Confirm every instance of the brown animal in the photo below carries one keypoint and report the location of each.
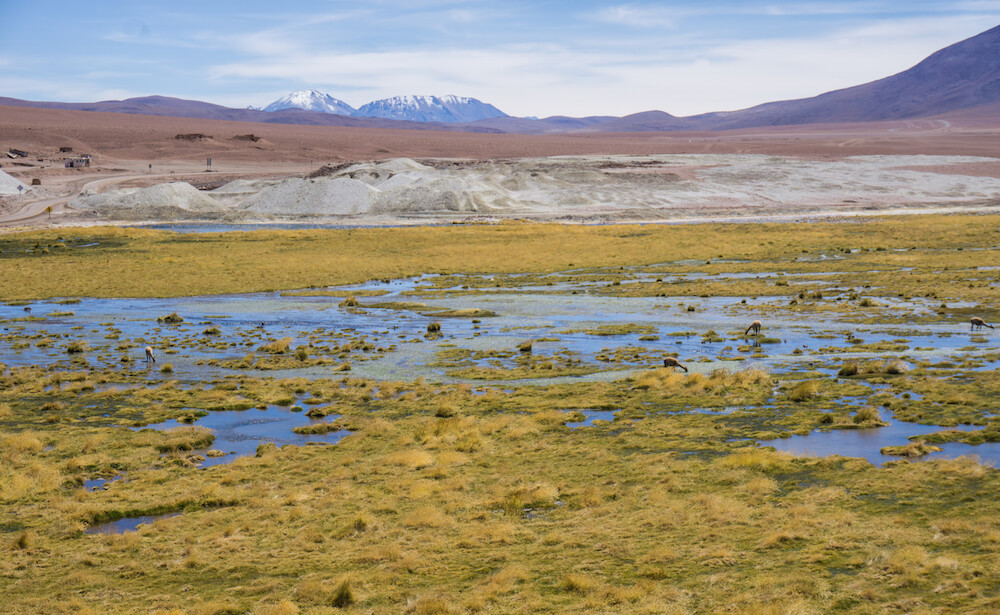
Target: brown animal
(755, 327)
(978, 323)
(149, 355)
(672, 362)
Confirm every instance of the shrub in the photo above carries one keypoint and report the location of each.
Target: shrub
(350, 301)
(302, 353)
(170, 319)
(167, 368)
(434, 327)
(76, 347)
(212, 331)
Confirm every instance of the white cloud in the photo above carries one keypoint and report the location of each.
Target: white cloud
(636, 16)
(557, 79)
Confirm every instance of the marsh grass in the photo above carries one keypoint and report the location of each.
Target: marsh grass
(497, 507)
(803, 391)
(281, 346)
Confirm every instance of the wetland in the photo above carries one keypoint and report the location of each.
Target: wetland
(476, 419)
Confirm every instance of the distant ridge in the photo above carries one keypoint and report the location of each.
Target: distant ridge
(963, 78)
(960, 76)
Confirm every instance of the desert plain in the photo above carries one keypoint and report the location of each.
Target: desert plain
(431, 372)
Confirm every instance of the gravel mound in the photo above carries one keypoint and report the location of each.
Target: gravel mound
(8, 185)
(237, 191)
(173, 201)
(585, 188)
(323, 196)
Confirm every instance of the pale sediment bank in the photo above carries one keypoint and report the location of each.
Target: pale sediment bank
(578, 189)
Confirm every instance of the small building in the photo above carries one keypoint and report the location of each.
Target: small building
(77, 163)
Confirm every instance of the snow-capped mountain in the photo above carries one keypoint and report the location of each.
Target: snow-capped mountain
(311, 100)
(430, 109)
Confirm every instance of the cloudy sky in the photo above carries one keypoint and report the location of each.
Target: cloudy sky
(529, 58)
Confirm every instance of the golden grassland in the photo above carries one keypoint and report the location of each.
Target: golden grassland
(446, 499)
(143, 263)
(443, 501)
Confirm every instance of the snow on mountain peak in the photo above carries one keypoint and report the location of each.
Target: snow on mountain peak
(311, 100)
(414, 108)
(430, 109)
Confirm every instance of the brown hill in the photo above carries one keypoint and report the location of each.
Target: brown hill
(118, 136)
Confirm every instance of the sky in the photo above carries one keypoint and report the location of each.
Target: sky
(529, 58)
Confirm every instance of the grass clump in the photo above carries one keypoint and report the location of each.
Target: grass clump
(867, 415)
(76, 347)
(319, 428)
(281, 346)
(184, 438)
(803, 391)
(848, 369)
(578, 583)
(913, 449)
(170, 319)
(343, 595)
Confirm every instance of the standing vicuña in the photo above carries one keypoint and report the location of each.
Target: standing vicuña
(979, 323)
(672, 362)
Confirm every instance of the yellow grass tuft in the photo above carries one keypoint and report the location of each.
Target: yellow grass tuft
(281, 346)
(285, 607)
(756, 459)
(412, 459)
(804, 391)
(426, 516)
(579, 583)
(430, 605)
(907, 559)
(24, 443)
(761, 485)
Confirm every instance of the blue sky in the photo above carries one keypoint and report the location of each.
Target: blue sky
(528, 57)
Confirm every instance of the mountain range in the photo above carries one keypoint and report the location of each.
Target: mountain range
(962, 78)
(407, 108)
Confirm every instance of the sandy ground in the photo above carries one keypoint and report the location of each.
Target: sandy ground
(807, 170)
